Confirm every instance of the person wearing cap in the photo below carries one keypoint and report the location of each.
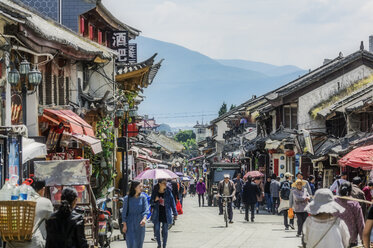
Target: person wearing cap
(322, 228)
(298, 201)
(306, 185)
(226, 188)
(338, 182)
(357, 193)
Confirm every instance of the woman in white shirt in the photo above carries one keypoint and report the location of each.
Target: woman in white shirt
(322, 229)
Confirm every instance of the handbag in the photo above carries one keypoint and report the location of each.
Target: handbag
(179, 208)
(291, 213)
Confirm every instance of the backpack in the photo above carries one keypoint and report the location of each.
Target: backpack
(285, 190)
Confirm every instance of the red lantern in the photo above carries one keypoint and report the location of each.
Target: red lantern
(290, 153)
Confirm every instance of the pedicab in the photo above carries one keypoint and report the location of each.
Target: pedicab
(59, 174)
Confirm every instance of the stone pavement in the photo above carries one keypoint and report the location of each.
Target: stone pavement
(204, 228)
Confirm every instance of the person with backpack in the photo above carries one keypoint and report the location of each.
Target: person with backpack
(285, 190)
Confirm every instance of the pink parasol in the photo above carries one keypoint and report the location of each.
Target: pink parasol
(254, 174)
(156, 174)
(361, 157)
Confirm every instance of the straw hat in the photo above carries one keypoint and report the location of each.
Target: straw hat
(288, 174)
(303, 182)
(324, 203)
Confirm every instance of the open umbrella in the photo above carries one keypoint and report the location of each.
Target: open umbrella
(184, 178)
(361, 157)
(180, 174)
(156, 174)
(254, 174)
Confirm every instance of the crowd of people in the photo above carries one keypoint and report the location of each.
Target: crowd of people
(339, 216)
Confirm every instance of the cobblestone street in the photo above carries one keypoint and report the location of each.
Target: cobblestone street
(204, 228)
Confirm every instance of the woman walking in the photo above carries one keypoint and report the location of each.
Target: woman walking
(201, 189)
(134, 215)
(163, 206)
(322, 229)
(299, 198)
(65, 228)
(352, 216)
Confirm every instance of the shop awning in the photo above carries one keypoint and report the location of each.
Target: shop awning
(361, 157)
(32, 149)
(196, 158)
(149, 159)
(69, 119)
(95, 144)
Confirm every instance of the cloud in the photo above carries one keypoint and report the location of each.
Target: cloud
(302, 32)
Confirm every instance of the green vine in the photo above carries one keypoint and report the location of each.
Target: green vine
(103, 174)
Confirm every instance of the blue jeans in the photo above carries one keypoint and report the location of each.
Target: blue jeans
(157, 233)
(268, 201)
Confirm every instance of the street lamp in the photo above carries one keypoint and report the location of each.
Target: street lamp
(34, 78)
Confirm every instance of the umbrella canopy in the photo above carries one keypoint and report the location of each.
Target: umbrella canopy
(180, 174)
(184, 178)
(361, 157)
(156, 174)
(254, 174)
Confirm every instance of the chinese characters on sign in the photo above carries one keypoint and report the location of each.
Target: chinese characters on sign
(120, 44)
(127, 53)
(132, 53)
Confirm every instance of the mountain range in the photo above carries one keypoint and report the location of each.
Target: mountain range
(191, 86)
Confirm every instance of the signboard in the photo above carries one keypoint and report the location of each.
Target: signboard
(120, 44)
(132, 53)
(308, 141)
(14, 157)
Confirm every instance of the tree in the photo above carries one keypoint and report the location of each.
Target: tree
(232, 107)
(184, 136)
(223, 109)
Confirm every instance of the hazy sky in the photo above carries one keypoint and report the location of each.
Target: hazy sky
(298, 32)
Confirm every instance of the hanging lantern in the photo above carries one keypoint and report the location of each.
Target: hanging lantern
(13, 77)
(289, 153)
(24, 67)
(34, 77)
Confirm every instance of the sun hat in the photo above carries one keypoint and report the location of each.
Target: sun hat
(303, 182)
(288, 174)
(324, 203)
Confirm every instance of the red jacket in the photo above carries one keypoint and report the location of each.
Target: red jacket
(368, 195)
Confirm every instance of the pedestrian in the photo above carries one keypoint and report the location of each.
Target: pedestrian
(338, 182)
(359, 194)
(43, 211)
(368, 191)
(275, 189)
(285, 190)
(226, 188)
(259, 181)
(192, 186)
(182, 192)
(368, 229)
(306, 185)
(298, 200)
(322, 229)
(174, 185)
(164, 207)
(238, 183)
(352, 216)
(267, 194)
(250, 192)
(311, 181)
(201, 190)
(65, 228)
(134, 215)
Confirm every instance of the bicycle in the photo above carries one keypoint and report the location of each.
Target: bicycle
(225, 200)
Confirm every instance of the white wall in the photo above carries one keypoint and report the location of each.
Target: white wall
(311, 99)
(221, 129)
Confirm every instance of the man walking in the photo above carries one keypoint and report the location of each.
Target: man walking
(357, 193)
(226, 188)
(238, 183)
(201, 189)
(250, 193)
(275, 189)
(285, 190)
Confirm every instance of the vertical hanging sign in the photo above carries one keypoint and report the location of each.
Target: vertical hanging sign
(132, 53)
(120, 44)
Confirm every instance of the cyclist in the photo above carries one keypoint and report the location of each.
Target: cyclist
(226, 188)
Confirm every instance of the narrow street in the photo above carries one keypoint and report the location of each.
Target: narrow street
(204, 228)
